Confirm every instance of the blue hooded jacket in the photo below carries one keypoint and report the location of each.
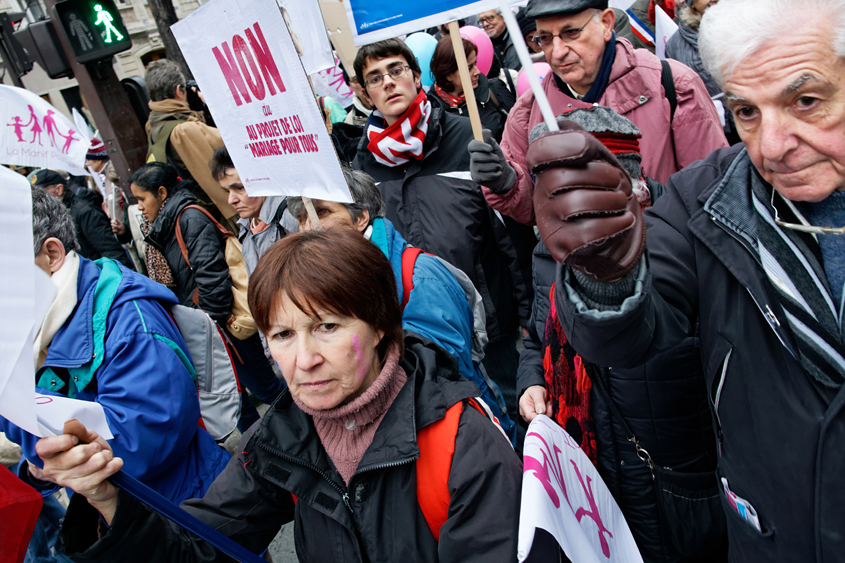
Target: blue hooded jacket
(437, 309)
(128, 361)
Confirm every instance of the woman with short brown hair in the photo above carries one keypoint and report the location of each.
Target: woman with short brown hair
(356, 451)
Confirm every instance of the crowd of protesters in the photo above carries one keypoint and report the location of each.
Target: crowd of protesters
(662, 277)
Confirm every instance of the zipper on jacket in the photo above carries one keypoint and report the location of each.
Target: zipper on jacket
(718, 399)
(386, 465)
(343, 494)
(773, 321)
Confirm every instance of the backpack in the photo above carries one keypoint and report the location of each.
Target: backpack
(240, 322)
(212, 368)
(437, 447)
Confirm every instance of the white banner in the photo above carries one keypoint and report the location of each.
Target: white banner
(664, 28)
(37, 134)
(563, 494)
(246, 65)
(27, 295)
(376, 20)
(330, 83)
(309, 34)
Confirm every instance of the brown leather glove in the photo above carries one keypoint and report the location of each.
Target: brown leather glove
(586, 212)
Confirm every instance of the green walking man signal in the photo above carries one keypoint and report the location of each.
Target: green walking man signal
(106, 18)
(93, 28)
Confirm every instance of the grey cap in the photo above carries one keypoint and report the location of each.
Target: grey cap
(537, 9)
(598, 120)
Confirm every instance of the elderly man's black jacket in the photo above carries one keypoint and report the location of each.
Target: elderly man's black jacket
(780, 439)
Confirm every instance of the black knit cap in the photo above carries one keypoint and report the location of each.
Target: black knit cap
(526, 24)
(537, 9)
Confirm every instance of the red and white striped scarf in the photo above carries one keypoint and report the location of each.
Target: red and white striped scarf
(399, 143)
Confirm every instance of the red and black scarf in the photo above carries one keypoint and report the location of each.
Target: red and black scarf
(568, 385)
(452, 100)
(397, 144)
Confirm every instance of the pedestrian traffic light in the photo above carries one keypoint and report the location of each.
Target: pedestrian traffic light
(93, 28)
(41, 42)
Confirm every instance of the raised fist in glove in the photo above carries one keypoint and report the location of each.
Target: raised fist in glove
(586, 212)
(487, 165)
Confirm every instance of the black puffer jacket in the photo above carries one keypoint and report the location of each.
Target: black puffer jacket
(664, 403)
(435, 205)
(375, 518)
(93, 229)
(494, 102)
(208, 271)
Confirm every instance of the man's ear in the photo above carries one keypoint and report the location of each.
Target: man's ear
(52, 255)
(608, 21)
(363, 221)
(60, 190)
(417, 81)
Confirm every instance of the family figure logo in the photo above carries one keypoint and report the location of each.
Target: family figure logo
(46, 125)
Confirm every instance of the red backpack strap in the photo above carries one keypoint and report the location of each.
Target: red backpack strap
(409, 259)
(437, 446)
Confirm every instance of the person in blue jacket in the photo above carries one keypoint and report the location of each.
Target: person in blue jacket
(108, 338)
(442, 305)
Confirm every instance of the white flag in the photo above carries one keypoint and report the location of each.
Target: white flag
(37, 134)
(563, 494)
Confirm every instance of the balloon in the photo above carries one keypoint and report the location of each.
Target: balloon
(522, 84)
(423, 45)
(484, 45)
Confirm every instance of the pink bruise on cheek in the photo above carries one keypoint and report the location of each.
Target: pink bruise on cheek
(363, 364)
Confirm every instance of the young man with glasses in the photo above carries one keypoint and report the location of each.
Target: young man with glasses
(416, 152)
(591, 65)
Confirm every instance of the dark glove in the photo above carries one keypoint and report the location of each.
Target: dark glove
(488, 166)
(586, 212)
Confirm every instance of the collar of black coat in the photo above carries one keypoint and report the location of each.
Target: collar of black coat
(164, 226)
(434, 385)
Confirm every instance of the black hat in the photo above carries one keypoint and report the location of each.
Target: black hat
(47, 177)
(526, 24)
(537, 9)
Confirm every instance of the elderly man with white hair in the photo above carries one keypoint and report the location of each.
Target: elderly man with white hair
(748, 248)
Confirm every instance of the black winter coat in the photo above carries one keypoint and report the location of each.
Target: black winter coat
(780, 440)
(435, 206)
(664, 404)
(375, 519)
(493, 110)
(208, 271)
(93, 228)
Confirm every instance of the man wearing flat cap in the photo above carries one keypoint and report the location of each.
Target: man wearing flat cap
(590, 65)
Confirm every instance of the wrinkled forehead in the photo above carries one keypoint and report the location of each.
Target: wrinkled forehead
(555, 24)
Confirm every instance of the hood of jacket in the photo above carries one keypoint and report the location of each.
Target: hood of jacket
(73, 344)
(164, 225)
(169, 109)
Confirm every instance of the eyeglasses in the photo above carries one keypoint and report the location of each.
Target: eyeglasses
(804, 228)
(395, 73)
(567, 35)
(488, 19)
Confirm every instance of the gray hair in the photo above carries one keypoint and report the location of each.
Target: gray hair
(733, 30)
(364, 192)
(50, 218)
(162, 79)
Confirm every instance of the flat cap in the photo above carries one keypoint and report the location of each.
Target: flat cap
(537, 9)
(47, 177)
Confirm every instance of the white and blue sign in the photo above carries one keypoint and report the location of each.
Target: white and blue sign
(376, 20)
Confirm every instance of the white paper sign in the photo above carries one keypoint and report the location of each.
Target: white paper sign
(309, 34)
(27, 297)
(621, 4)
(37, 134)
(246, 65)
(563, 494)
(330, 83)
(664, 28)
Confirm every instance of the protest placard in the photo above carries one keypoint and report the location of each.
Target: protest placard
(337, 26)
(664, 28)
(563, 494)
(28, 294)
(309, 34)
(329, 82)
(376, 20)
(247, 67)
(37, 134)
